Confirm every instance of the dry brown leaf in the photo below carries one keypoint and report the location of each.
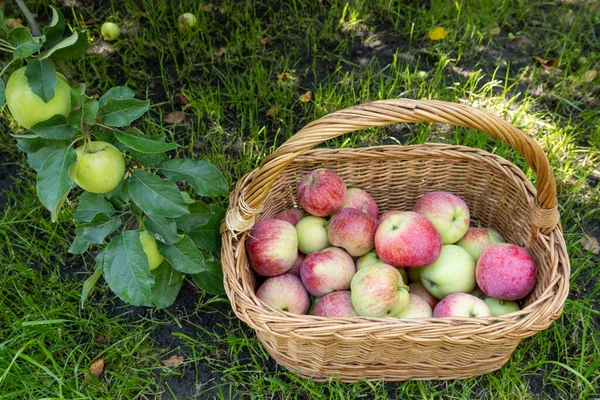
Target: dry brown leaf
(313, 31)
(182, 98)
(97, 368)
(101, 339)
(173, 361)
(220, 52)
(286, 76)
(306, 97)
(176, 117)
(12, 23)
(495, 31)
(590, 75)
(207, 8)
(223, 8)
(590, 243)
(546, 64)
(266, 40)
(271, 111)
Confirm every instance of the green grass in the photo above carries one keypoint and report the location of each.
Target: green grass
(345, 53)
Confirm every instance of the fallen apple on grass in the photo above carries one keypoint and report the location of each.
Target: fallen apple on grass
(377, 290)
(285, 292)
(187, 21)
(326, 271)
(461, 305)
(321, 192)
(272, 247)
(453, 271)
(110, 31)
(448, 212)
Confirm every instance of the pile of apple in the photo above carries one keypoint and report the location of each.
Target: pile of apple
(359, 262)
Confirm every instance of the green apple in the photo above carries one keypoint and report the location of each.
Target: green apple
(100, 167)
(151, 250)
(110, 31)
(500, 307)
(453, 271)
(187, 21)
(414, 274)
(312, 234)
(370, 258)
(27, 108)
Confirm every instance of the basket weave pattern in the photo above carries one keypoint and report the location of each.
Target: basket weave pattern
(498, 195)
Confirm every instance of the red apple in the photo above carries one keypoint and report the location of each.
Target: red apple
(407, 239)
(328, 270)
(353, 231)
(506, 271)
(285, 292)
(321, 192)
(477, 239)
(418, 289)
(449, 214)
(295, 270)
(335, 304)
(291, 215)
(362, 201)
(272, 247)
(378, 291)
(417, 308)
(461, 305)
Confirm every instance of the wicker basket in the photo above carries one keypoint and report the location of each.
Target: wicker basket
(498, 195)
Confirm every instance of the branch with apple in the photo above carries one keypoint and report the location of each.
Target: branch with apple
(121, 181)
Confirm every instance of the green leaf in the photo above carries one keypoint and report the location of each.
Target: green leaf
(25, 44)
(156, 196)
(2, 93)
(100, 227)
(115, 112)
(41, 77)
(210, 280)
(144, 144)
(205, 178)
(39, 149)
(55, 128)
(79, 245)
(208, 237)
(200, 214)
(3, 28)
(167, 284)
(53, 182)
(83, 107)
(89, 284)
(69, 48)
(126, 270)
(90, 205)
(55, 30)
(165, 228)
(183, 256)
(118, 93)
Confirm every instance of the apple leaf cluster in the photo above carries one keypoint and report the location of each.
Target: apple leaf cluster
(142, 198)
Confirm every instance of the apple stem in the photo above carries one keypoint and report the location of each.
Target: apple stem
(35, 28)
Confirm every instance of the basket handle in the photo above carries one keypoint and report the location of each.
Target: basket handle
(544, 214)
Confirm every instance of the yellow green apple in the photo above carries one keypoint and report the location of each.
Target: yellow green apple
(28, 108)
(151, 250)
(100, 167)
